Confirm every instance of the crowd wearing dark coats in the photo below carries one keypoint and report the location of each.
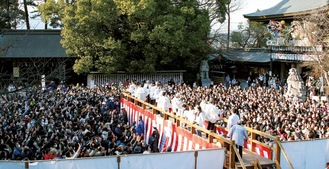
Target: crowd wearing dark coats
(76, 121)
(66, 122)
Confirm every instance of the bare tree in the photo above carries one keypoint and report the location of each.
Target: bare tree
(31, 70)
(217, 16)
(232, 6)
(27, 19)
(312, 30)
(216, 10)
(220, 12)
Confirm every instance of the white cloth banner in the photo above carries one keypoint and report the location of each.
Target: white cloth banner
(212, 158)
(306, 154)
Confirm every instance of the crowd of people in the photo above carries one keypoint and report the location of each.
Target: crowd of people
(67, 122)
(76, 121)
(261, 107)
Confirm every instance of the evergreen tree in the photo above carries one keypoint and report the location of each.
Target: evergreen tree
(136, 36)
(10, 14)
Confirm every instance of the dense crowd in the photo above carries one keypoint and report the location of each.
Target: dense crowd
(261, 107)
(76, 121)
(68, 122)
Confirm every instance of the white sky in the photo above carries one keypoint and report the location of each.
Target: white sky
(248, 6)
(252, 6)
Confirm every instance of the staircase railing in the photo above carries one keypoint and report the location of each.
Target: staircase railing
(238, 156)
(256, 164)
(253, 139)
(228, 144)
(279, 146)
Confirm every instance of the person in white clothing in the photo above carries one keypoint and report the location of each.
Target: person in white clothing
(182, 113)
(176, 104)
(203, 105)
(147, 87)
(190, 114)
(140, 92)
(164, 102)
(152, 90)
(199, 119)
(212, 114)
(157, 92)
(233, 119)
(132, 88)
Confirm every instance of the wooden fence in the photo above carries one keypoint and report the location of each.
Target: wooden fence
(160, 76)
(214, 137)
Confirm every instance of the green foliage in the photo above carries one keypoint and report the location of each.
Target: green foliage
(135, 36)
(254, 35)
(221, 9)
(52, 11)
(10, 14)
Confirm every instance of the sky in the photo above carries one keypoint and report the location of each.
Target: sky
(248, 6)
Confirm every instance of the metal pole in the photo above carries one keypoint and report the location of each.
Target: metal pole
(26, 165)
(118, 160)
(196, 153)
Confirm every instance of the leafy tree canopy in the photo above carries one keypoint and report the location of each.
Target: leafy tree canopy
(135, 36)
(52, 11)
(253, 35)
(10, 14)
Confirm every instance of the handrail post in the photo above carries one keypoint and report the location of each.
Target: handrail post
(165, 116)
(118, 160)
(196, 153)
(252, 138)
(278, 149)
(210, 138)
(177, 122)
(193, 130)
(26, 165)
(253, 162)
(154, 111)
(277, 164)
(135, 102)
(232, 155)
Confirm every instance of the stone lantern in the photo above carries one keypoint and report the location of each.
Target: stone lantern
(204, 73)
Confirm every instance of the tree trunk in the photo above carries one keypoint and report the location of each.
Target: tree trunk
(228, 30)
(27, 20)
(46, 23)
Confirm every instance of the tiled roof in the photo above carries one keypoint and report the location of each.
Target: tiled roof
(253, 57)
(31, 44)
(288, 8)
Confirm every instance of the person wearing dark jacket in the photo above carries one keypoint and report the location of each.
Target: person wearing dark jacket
(154, 141)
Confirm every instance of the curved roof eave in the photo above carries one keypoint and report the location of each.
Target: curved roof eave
(283, 16)
(288, 8)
